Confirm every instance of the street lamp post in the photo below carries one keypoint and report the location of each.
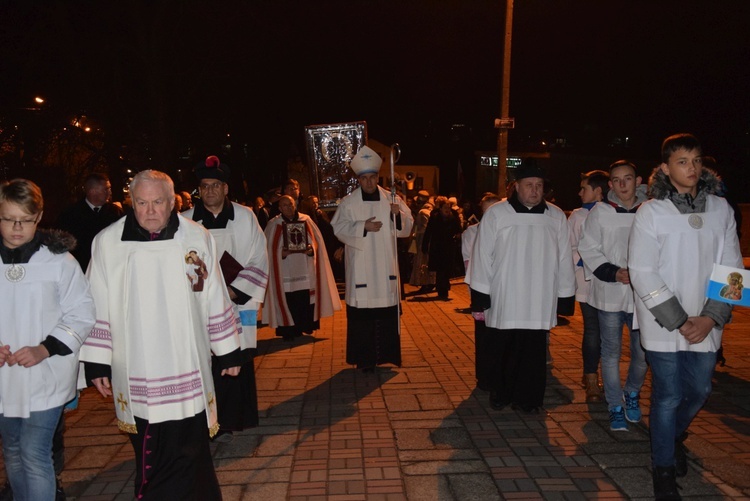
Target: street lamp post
(502, 135)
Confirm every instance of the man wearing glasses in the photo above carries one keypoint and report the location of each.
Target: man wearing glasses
(90, 215)
(241, 247)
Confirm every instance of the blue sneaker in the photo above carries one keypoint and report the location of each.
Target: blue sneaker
(632, 408)
(617, 419)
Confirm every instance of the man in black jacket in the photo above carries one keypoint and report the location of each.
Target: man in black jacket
(89, 216)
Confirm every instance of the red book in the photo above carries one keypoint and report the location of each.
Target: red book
(230, 267)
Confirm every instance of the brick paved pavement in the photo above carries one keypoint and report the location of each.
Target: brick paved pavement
(423, 432)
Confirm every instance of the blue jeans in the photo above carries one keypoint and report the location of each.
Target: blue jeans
(27, 448)
(680, 385)
(610, 329)
(591, 345)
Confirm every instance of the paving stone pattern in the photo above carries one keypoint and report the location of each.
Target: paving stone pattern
(424, 432)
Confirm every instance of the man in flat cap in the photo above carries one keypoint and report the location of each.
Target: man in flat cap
(521, 266)
(241, 247)
(368, 221)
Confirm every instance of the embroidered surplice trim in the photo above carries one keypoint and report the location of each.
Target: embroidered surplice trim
(221, 326)
(127, 427)
(166, 390)
(213, 430)
(100, 336)
(255, 276)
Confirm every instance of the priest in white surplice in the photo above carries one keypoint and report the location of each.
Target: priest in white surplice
(365, 221)
(521, 268)
(301, 288)
(239, 240)
(155, 330)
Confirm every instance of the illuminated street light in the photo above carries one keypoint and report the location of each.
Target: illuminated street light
(39, 100)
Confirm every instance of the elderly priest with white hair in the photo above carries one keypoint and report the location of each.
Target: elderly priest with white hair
(368, 221)
(162, 308)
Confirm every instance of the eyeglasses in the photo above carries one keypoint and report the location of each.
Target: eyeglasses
(23, 223)
(211, 186)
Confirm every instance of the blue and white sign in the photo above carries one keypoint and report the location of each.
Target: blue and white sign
(727, 285)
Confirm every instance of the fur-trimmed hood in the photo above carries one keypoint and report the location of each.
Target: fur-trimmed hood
(660, 187)
(57, 241)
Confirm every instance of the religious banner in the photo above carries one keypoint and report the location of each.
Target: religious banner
(727, 285)
(330, 149)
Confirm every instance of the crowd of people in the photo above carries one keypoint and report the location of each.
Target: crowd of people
(160, 301)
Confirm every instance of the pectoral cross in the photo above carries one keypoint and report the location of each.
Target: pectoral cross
(123, 403)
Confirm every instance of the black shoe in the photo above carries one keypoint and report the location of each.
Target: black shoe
(224, 436)
(6, 493)
(59, 492)
(426, 288)
(680, 456)
(526, 409)
(665, 484)
(496, 402)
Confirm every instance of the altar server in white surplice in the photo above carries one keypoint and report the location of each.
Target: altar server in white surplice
(365, 221)
(521, 266)
(155, 330)
(241, 242)
(301, 289)
(676, 239)
(47, 312)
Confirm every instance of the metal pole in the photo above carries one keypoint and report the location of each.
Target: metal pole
(395, 154)
(502, 135)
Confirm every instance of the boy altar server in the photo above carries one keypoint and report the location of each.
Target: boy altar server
(604, 250)
(676, 239)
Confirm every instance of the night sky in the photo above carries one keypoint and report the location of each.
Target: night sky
(179, 75)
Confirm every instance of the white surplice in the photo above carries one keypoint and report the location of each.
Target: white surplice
(153, 329)
(524, 263)
(669, 257)
(244, 239)
(52, 299)
(371, 265)
(298, 272)
(605, 240)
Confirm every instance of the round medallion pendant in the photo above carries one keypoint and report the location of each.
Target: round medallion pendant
(695, 221)
(15, 273)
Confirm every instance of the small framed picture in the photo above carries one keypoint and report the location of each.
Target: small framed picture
(295, 237)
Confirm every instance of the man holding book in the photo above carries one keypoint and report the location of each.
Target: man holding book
(241, 246)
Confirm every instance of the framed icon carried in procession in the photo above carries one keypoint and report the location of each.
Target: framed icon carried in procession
(295, 237)
(330, 149)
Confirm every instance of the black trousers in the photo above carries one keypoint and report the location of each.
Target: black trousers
(173, 460)
(483, 361)
(519, 370)
(303, 314)
(442, 281)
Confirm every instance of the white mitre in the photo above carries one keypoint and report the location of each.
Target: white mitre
(366, 161)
